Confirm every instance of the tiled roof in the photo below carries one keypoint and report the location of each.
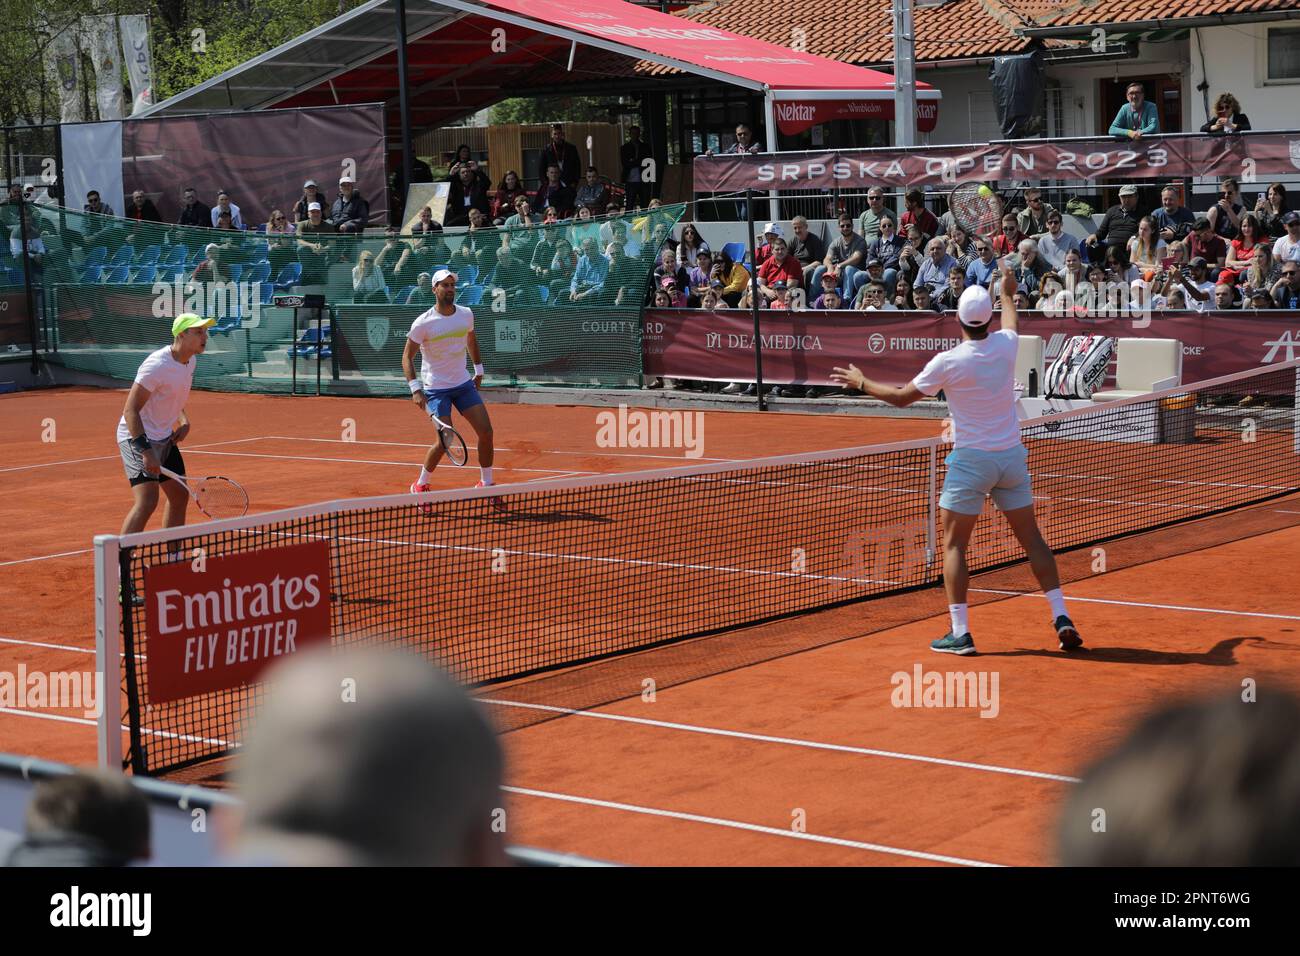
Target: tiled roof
(1050, 13)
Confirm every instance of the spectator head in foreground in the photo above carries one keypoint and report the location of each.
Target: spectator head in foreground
(368, 756)
(86, 818)
(1210, 783)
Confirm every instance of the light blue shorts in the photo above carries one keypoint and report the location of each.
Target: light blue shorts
(973, 474)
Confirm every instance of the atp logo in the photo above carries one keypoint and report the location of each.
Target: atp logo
(1284, 341)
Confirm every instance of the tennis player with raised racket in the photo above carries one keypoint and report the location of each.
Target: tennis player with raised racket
(442, 336)
(988, 457)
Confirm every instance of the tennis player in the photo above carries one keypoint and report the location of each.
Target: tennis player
(148, 433)
(988, 457)
(442, 335)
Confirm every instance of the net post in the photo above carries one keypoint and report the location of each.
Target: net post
(753, 301)
(931, 507)
(108, 645)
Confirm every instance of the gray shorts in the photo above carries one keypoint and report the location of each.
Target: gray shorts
(168, 452)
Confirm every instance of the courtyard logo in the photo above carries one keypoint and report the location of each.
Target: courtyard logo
(933, 689)
(645, 429)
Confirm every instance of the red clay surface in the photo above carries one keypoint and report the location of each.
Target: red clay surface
(799, 760)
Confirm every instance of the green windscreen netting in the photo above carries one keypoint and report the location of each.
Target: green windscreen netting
(545, 311)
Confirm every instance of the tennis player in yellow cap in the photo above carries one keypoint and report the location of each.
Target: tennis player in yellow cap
(154, 423)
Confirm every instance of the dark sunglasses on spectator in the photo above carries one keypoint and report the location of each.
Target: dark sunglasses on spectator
(1291, 272)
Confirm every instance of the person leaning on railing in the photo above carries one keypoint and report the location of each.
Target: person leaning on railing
(1136, 118)
(1228, 117)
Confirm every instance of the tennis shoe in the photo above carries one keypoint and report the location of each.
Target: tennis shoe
(1067, 634)
(950, 644)
(495, 501)
(424, 506)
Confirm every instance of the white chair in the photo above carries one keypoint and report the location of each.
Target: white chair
(1029, 358)
(1144, 366)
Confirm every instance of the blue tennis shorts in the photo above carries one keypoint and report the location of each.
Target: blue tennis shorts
(464, 397)
(973, 474)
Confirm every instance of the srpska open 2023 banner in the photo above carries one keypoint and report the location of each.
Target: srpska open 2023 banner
(803, 347)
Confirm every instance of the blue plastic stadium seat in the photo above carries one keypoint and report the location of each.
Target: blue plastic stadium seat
(124, 256)
(471, 295)
(149, 256)
(146, 273)
(176, 256)
(96, 257)
(289, 275)
(118, 274)
(468, 275)
(544, 291)
(258, 272)
(236, 270)
(404, 294)
(92, 274)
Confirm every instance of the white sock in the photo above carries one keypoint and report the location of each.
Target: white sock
(486, 473)
(1057, 600)
(958, 614)
(425, 475)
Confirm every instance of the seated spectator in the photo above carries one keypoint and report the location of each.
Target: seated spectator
(367, 281)
(1195, 280)
(1032, 267)
(846, 256)
(1176, 300)
(280, 249)
(524, 231)
(692, 244)
(1136, 118)
(662, 300)
(559, 271)
(713, 301)
(35, 252)
(278, 224)
(1173, 220)
(314, 250)
(807, 247)
(914, 201)
(467, 193)
(1032, 220)
(593, 194)
(1073, 273)
(1263, 271)
(947, 299)
(585, 227)
(869, 221)
(1204, 243)
(829, 300)
(1287, 248)
(1008, 240)
(780, 266)
(873, 298)
(514, 277)
(668, 267)
(923, 301)
(1242, 250)
(544, 251)
(84, 819)
(668, 287)
(193, 212)
(1271, 209)
(1225, 215)
(1118, 226)
(1259, 299)
(423, 293)
(935, 268)
(225, 205)
(553, 192)
(1055, 242)
(1092, 296)
(699, 277)
(887, 248)
(1117, 264)
(1147, 249)
(626, 280)
(1225, 296)
(980, 271)
(310, 193)
(733, 276)
(1142, 301)
(1286, 291)
(1053, 300)
(350, 213)
(960, 245)
(478, 244)
(829, 280)
(210, 269)
(763, 249)
(903, 294)
(909, 257)
(1228, 117)
(142, 208)
(464, 159)
(590, 275)
(100, 208)
(425, 251)
(507, 195)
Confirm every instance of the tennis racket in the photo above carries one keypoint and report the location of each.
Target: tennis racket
(976, 208)
(215, 496)
(452, 443)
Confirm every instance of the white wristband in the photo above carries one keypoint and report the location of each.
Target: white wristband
(478, 369)
(415, 385)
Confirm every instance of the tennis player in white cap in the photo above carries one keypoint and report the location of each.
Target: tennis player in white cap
(988, 457)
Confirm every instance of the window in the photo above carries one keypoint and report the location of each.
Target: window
(1283, 53)
(984, 125)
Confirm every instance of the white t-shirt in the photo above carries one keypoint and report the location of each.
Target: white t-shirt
(169, 384)
(977, 378)
(442, 346)
(1195, 304)
(1285, 250)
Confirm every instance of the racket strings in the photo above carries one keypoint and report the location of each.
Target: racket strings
(220, 497)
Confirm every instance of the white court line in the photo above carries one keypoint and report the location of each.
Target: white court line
(91, 722)
(520, 451)
(788, 741)
(45, 557)
(61, 647)
(79, 461)
(364, 461)
(1158, 607)
(750, 827)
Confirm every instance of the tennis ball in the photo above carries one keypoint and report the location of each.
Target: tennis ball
(985, 192)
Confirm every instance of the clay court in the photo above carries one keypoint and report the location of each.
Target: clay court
(777, 744)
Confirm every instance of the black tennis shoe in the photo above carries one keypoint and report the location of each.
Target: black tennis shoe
(1067, 634)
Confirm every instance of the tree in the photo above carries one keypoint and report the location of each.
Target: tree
(551, 109)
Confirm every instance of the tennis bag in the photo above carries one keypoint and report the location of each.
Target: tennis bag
(1080, 368)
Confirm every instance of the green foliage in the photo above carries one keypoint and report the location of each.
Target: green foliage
(550, 109)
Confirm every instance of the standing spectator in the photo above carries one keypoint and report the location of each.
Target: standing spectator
(1271, 208)
(780, 267)
(1225, 215)
(1287, 248)
(914, 201)
(593, 194)
(314, 251)
(1228, 117)
(563, 155)
(84, 819)
(1241, 251)
(1008, 240)
(733, 276)
(464, 159)
(1118, 226)
(467, 192)
(632, 156)
(935, 268)
(887, 247)
(508, 192)
(350, 213)
(692, 244)
(367, 280)
(310, 194)
(1056, 242)
(846, 256)
(807, 247)
(1286, 291)
(1146, 249)
(1207, 245)
(193, 212)
(980, 271)
(1173, 220)
(225, 205)
(142, 208)
(869, 221)
(745, 142)
(590, 275)
(554, 192)
(1136, 118)
(1032, 220)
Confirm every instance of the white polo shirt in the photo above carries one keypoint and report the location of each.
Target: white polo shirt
(978, 380)
(442, 346)
(169, 385)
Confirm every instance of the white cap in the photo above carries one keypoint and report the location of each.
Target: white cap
(345, 178)
(975, 307)
(774, 228)
(313, 205)
(310, 182)
(442, 274)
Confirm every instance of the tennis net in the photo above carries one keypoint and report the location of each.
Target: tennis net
(503, 583)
